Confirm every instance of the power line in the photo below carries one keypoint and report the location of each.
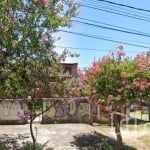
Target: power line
(110, 25)
(102, 38)
(109, 28)
(79, 48)
(112, 12)
(99, 22)
(115, 8)
(96, 2)
(88, 49)
(123, 5)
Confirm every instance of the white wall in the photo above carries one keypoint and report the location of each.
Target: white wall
(9, 110)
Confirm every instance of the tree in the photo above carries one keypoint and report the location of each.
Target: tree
(28, 62)
(119, 80)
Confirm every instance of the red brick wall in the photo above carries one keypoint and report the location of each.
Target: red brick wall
(71, 66)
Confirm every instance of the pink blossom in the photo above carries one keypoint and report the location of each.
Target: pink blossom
(14, 45)
(107, 108)
(137, 84)
(10, 11)
(143, 100)
(123, 82)
(110, 97)
(46, 42)
(120, 90)
(44, 2)
(112, 54)
(121, 53)
(142, 84)
(86, 97)
(94, 91)
(120, 47)
(56, 95)
(143, 67)
(128, 86)
(121, 63)
(123, 74)
(142, 88)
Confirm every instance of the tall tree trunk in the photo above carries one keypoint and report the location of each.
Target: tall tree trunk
(32, 118)
(149, 113)
(91, 114)
(31, 132)
(116, 118)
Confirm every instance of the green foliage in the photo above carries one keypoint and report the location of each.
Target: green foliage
(28, 61)
(30, 146)
(27, 58)
(122, 79)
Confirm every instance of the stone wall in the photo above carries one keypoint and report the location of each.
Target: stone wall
(9, 111)
(68, 110)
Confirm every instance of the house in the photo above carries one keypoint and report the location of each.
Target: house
(70, 68)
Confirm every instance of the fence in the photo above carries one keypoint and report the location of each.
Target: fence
(66, 110)
(75, 110)
(9, 110)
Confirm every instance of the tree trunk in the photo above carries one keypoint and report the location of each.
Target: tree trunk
(32, 134)
(91, 114)
(32, 118)
(116, 118)
(149, 113)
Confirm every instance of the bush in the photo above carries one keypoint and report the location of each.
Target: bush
(30, 146)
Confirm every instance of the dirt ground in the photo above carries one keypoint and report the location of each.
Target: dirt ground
(63, 136)
(133, 135)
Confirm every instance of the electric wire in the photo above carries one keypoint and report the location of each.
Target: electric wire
(111, 25)
(102, 38)
(109, 28)
(113, 8)
(123, 5)
(89, 49)
(112, 12)
(135, 12)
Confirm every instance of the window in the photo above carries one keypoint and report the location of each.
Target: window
(68, 70)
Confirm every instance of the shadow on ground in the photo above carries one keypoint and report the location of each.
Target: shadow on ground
(19, 142)
(133, 121)
(10, 142)
(96, 141)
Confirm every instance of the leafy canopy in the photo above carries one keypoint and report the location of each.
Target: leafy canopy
(116, 77)
(27, 58)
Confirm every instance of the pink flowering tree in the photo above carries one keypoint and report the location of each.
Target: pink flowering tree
(28, 61)
(119, 80)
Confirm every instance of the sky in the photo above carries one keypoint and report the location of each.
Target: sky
(93, 49)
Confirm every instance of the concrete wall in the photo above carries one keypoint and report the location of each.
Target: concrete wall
(65, 110)
(68, 110)
(9, 111)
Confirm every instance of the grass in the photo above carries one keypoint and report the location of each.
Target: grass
(146, 139)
